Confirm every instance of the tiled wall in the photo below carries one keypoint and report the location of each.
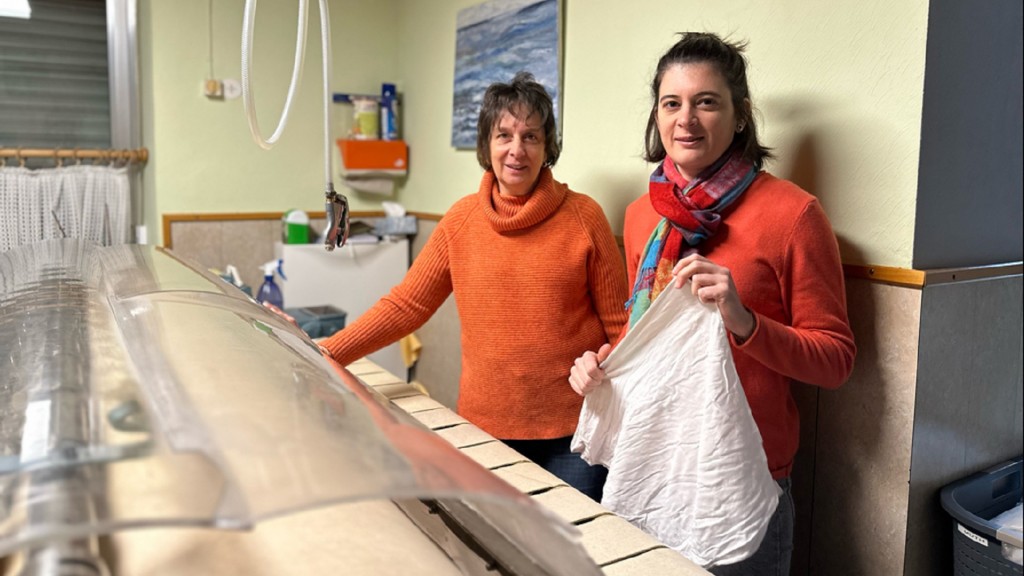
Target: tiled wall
(244, 244)
(862, 442)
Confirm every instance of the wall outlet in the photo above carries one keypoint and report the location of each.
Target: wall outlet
(213, 88)
(232, 88)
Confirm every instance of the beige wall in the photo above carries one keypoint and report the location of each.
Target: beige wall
(839, 87)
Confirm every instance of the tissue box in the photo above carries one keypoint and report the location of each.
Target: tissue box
(395, 226)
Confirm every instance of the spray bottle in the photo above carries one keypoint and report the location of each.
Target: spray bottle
(269, 292)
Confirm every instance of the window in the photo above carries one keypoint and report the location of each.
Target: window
(54, 85)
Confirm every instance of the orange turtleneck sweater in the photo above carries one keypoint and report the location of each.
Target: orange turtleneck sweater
(538, 280)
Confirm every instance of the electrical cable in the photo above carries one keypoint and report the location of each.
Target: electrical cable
(209, 35)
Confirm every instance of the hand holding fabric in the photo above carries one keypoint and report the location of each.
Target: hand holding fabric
(586, 373)
(713, 283)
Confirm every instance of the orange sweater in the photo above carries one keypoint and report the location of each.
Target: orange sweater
(537, 281)
(780, 249)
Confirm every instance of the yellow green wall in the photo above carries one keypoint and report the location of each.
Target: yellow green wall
(203, 158)
(839, 88)
(839, 85)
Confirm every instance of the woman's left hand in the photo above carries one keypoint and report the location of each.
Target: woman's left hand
(281, 314)
(713, 283)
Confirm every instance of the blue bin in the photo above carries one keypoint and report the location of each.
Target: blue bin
(973, 502)
(318, 321)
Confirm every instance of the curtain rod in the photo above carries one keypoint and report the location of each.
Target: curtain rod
(139, 155)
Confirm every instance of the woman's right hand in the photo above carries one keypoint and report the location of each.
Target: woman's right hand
(712, 283)
(586, 374)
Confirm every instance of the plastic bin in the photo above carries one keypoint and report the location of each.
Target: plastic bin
(318, 321)
(973, 502)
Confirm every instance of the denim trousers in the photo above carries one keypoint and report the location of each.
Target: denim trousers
(774, 555)
(555, 456)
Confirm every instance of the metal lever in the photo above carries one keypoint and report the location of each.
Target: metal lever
(337, 220)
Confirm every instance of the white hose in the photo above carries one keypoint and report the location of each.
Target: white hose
(248, 26)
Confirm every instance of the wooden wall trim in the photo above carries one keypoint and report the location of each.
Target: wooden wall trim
(427, 216)
(907, 277)
(169, 219)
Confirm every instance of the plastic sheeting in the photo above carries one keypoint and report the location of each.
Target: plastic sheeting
(142, 391)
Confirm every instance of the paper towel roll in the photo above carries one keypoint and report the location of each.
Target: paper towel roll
(381, 186)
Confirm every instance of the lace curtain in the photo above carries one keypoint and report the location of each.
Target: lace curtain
(81, 201)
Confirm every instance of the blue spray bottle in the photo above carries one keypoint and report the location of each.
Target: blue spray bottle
(269, 292)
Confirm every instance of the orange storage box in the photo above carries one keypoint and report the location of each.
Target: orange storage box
(374, 157)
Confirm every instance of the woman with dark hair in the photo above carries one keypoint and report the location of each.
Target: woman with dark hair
(537, 278)
(758, 247)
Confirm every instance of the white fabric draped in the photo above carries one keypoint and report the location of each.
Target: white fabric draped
(672, 424)
(80, 201)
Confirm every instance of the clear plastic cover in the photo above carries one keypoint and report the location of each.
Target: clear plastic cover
(139, 390)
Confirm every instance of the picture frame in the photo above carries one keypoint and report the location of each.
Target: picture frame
(495, 40)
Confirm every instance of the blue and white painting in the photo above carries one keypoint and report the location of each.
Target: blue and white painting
(494, 40)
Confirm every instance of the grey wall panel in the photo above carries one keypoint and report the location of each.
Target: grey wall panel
(968, 406)
(969, 204)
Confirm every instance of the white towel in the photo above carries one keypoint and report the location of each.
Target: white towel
(672, 424)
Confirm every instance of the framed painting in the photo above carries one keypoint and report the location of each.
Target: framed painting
(493, 42)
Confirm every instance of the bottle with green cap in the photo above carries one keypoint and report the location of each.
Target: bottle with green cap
(296, 227)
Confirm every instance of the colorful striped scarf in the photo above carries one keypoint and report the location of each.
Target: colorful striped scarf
(691, 212)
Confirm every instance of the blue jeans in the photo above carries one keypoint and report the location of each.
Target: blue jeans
(556, 457)
(774, 555)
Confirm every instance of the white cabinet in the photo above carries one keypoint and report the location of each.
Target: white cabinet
(351, 278)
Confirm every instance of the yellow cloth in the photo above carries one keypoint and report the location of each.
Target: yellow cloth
(410, 347)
